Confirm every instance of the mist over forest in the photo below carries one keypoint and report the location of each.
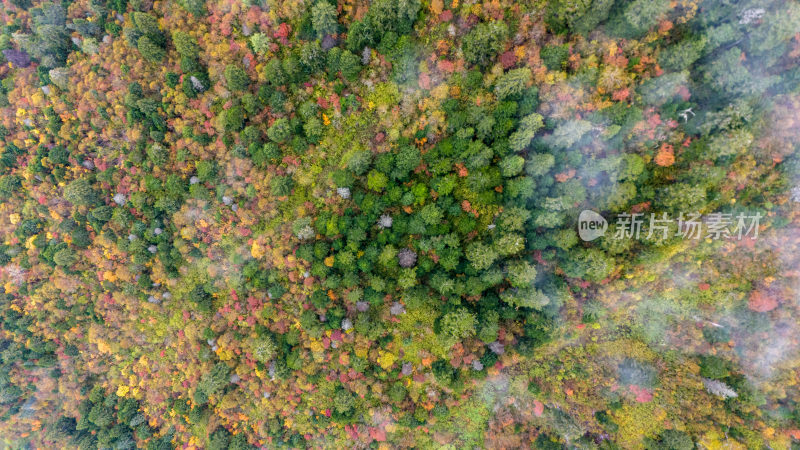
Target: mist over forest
(456, 224)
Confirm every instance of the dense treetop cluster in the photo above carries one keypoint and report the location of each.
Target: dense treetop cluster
(320, 224)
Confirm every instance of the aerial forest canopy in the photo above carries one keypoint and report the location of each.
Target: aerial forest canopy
(246, 224)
